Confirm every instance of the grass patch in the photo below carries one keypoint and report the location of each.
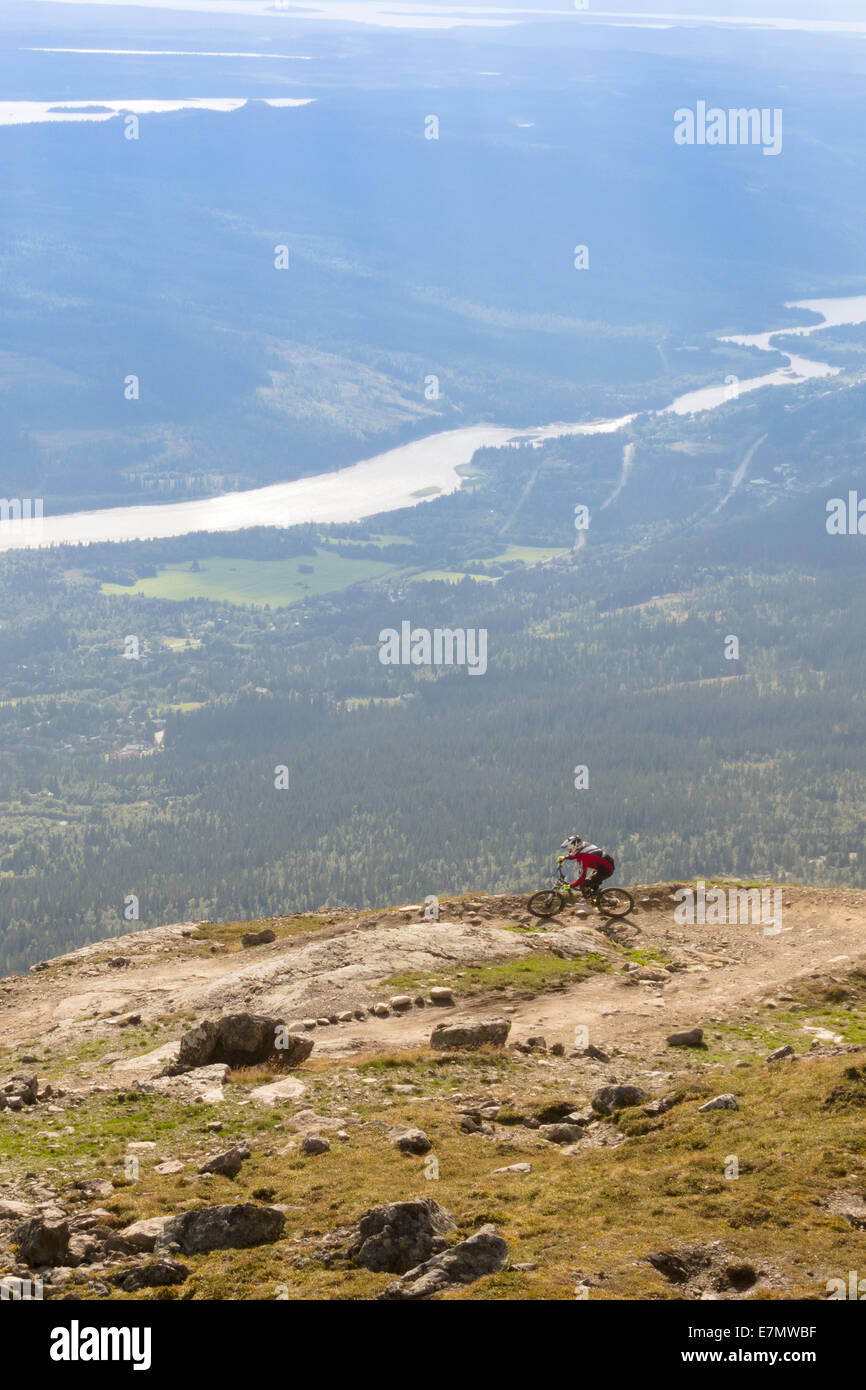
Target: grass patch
(229, 934)
(541, 970)
(256, 582)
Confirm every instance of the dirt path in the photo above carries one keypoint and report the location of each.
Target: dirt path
(721, 971)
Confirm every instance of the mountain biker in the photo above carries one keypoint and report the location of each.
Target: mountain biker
(595, 865)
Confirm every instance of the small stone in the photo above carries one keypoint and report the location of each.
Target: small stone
(400, 1001)
(440, 995)
(781, 1053)
(513, 1168)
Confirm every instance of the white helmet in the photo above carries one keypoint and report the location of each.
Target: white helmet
(574, 844)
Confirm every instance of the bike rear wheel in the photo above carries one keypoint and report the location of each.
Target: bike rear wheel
(547, 903)
(614, 902)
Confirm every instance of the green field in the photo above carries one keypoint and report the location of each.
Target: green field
(257, 582)
(530, 554)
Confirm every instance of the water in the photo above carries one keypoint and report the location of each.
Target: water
(392, 480)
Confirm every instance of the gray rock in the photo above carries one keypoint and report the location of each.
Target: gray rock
(411, 1141)
(42, 1242)
(241, 1040)
(258, 938)
(398, 1236)
(315, 1144)
(400, 1001)
(227, 1164)
(782, 1053)
(727, 1101)
(233, 1227)
(23, 1087)
(611, 1098)
(561, 1133)
(143, 1235)
(440, 995)
(157, 1274)
(660, 1106)
(484, 1253)
(691, 1037)
(513, 1168)
(470, 1035)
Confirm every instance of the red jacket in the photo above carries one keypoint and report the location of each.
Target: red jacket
(590, 858)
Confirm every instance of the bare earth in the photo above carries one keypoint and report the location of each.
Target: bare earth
(719, 972)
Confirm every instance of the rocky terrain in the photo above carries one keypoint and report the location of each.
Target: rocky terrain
(382, 1106)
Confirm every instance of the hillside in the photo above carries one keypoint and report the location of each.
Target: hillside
(577, 1164)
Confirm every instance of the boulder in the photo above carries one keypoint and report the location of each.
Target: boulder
(143, 1235)
(42, 1242)
(23, 1087)
(289, 1088)
(611, 1098)
(315, 1144)
(204, 1085)
(258, 938)
(484, 1253)
(561, 1133)
(782, 1053)
(400, 1001)
(410, 1141)
(233, 1227)
(154, 1275)
(727, 1101)
(241, 1040)
(397, 1236)
(692, 1037)
(227, 1164)
(469, 1035)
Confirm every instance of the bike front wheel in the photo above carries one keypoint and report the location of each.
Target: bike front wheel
(547, 903)
(614, 902)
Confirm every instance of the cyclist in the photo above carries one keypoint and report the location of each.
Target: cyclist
(595, 865)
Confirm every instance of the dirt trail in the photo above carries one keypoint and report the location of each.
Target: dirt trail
(720, 971)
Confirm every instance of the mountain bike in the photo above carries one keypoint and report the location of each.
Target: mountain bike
(549, 902)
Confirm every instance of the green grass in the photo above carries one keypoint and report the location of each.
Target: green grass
(540, 970)
(229, 933)
(603, 1210)
(529, 554)
(450, 576)
(256, 582)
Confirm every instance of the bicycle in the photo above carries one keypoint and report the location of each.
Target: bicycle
(610, 902)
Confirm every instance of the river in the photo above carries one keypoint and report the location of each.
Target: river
(394, 479)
